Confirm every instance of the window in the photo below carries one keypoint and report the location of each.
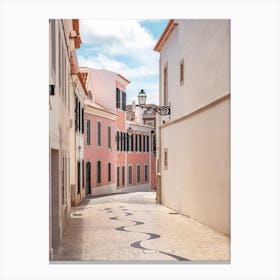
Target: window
(118, 176)
(148, 144)
(98, 133)
(76, 113)
(109, 137)
(140, 142)
(132, 143)
(83, 174)
(136, 142)
(88, 132)
(165, 85)
(182, 71)
(83, 120)
(123, 175)
(146, 173)
(79, 177)
(165, 158)
(88, 178)
(98, 177)
(53, 47)
(130, 175)
(62, 181)
(79, 112)
(123, 101)
(154, 143)
(126, 141)
(118, 98)
(138, 174)
(121, 141)
(109, 172)
(118, 140)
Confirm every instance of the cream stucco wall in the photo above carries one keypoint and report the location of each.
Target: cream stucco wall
(205, 47)
(197, 180)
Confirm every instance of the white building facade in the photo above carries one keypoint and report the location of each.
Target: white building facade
(194, 141)
(64, 89)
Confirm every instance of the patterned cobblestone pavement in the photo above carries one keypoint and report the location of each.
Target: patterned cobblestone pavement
(132, 227)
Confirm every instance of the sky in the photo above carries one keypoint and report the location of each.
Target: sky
(125, 47)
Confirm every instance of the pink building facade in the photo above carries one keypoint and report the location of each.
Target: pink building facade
(118, 153)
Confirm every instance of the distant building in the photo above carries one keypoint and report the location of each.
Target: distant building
(65, 125)
(116, 160)
(194, 143)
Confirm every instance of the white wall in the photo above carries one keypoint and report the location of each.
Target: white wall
(197, 181)
(205, 47)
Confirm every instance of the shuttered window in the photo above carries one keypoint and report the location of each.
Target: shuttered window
(130, 175)
(165, 85)
(98, 133)
(109, 172)
(146, 173)
(109, 137)
(140, 142)
(76, 113)
(88, 132)
(138, 173)
(83, 174)
(132, 143)
(79, 176)
(118, 98)
(123, 175)
(53, 46)
(83, 120)
(79, 113)
(144, 143)
(118, 140)
(123, 101)
(118, 176)
(98, 172)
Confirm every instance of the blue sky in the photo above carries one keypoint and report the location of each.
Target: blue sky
(125, 47)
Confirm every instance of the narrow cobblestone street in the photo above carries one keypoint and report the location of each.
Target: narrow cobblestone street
(132, 227)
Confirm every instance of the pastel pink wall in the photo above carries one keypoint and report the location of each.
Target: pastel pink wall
(94, 153)
(139, 158)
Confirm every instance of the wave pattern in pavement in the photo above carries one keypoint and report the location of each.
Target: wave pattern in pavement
(138, 244)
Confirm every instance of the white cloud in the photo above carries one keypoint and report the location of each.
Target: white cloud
(104, 62)
(124, 47)
(118, 37)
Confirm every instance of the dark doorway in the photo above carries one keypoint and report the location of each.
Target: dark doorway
(54, 200)
(88, 178)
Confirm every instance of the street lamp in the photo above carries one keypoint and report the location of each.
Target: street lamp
(162, 110)
(142, 98)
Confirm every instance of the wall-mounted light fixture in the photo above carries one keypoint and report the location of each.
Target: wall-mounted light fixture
(162, 110)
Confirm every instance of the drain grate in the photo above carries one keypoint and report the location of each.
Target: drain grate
(173, 213)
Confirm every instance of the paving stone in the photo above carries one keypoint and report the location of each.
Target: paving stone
(106, 232)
